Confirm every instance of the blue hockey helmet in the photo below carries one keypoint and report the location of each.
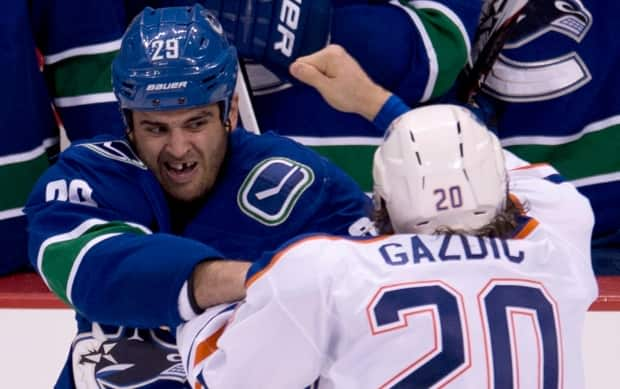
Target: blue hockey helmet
(174, 58)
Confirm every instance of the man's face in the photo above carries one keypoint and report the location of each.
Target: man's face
(183, 148)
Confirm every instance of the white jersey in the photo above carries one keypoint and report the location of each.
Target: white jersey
(413, 311)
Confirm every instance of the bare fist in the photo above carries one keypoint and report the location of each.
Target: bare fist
(341, 81)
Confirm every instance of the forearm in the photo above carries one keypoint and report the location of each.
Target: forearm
(139, 285)
(113, 272)
(372, 101)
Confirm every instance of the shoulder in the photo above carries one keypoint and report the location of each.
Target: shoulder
(307, 252)
(554, 203)
(102, 159)
(298, 255)
(95, 171)
(269, 144)
(104, 152)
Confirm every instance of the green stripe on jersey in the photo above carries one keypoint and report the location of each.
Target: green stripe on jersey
(593, 154)
(60, 258)
(449, 44)
(355, 160)
(18, 180)
(82, 75)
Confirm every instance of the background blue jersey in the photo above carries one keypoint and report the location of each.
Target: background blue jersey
(75, 46)
(413, 49)
(553, 89)
(101, 237)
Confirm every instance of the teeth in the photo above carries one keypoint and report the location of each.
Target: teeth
(180, 166)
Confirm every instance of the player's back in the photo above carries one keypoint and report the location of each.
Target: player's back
(418, 311)
(424, 310)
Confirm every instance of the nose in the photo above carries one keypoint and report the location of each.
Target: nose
(178, 143)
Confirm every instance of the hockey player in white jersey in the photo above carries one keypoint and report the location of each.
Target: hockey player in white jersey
(484, 283)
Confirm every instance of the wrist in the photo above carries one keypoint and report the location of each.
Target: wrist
(373, 102)
(218, 281)
(391, 109)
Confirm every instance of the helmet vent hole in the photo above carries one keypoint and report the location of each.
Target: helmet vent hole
(181, 100)
(465, 174)
(417, 155)
(461, 149)
(458, 128)
(478, 213)
(411, 136)
(208, 79)
(155, 102)
(421, 224)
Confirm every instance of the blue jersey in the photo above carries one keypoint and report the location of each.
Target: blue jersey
(27, 129)
(274, 188)
(554, 90)
(74, 43)
(414, 49)
(101, 235)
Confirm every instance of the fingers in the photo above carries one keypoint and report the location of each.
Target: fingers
(315, 69)
(308, 74)
(320, 59)
(327, 59)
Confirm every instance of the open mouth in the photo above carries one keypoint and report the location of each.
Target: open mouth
(180, 167)
(180, 171)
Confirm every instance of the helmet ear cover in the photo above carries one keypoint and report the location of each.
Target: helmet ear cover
(440, 166)
(174, 58)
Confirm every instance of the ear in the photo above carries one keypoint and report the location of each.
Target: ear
(233, 113)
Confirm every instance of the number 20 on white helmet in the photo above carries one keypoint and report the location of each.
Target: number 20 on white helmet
(439, 166)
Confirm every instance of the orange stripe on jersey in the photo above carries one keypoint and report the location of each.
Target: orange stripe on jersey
(279, 255)
(531, 223)
(207, 346)
(527, 229)
(532, 165)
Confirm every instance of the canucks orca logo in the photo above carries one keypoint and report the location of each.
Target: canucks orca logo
(568, 17)
(271, 190)
(130, 359)
(519, 81)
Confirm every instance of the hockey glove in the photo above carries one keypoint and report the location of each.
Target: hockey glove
(274, 32)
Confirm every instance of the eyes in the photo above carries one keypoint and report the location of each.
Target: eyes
(191, 126)
(197, 124)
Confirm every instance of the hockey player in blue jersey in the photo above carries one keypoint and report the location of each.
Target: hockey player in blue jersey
(118, 226)
(430, 41)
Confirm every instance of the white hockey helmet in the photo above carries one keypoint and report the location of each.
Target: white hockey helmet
(438, 166)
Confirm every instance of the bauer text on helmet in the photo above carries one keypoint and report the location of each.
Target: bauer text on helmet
(174, 58)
